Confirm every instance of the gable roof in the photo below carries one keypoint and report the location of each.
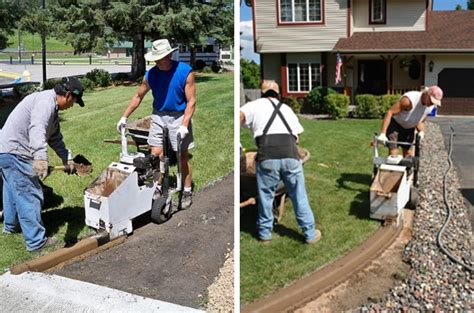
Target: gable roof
(448, 31)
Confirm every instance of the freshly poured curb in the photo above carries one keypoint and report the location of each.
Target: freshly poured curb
(55, 258)
(312, 286)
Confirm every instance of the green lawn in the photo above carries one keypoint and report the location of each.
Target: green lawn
(33, 42)
(338, 176)
(84, 130)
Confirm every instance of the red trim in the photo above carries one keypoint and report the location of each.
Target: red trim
(312, 23)
(382, 22)
(284, 78)
(349, 13)
(253, 27)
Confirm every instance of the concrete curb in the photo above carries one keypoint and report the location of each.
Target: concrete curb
(38, 292)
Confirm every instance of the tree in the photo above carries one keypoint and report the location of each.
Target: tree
(458, 7)
(191, 23)
(10, 14)
(250, 73)
(470, 5)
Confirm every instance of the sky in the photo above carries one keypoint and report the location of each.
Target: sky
(246, 38)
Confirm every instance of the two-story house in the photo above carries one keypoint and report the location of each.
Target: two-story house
(386, 47)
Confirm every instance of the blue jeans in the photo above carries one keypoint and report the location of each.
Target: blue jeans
(22, 200)
(269, 174)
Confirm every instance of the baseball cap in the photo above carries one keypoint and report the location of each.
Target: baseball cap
(73, 85)
(270, 85)
(436, 94)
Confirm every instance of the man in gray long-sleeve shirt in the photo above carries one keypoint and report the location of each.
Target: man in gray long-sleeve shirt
(24, 140)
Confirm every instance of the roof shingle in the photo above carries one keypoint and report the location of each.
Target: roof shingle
(447, 30)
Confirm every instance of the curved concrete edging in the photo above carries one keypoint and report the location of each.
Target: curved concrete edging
(315, 284)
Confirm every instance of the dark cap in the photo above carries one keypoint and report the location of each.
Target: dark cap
(73, 85)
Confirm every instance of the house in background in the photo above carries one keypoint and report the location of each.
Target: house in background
(386, 47)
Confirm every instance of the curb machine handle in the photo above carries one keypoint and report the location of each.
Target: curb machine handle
(124, 142)
(179, 179)
(376, 141)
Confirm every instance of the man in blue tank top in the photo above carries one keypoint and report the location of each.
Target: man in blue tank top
(174, 100)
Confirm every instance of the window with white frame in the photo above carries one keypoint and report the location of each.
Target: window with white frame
(302, 77)
(377, 11)
(300, 11)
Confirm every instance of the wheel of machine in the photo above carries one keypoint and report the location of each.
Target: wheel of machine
(414, 199)
(160, 212)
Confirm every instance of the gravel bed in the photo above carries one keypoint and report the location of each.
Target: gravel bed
(221, 292)
(435, 283)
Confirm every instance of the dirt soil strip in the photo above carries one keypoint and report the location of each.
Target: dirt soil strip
(312, 286)
(175, 261)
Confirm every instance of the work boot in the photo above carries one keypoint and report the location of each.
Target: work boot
(186, 200)
(50, 242)
(316, 238)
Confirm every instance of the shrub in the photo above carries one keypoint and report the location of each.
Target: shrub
(99, 77)
(22, 91)
(217, 67)
(367, 106)
(87, 83)
(337, 105)
(250, 73)
(293, 103)
(206, 69)
(50, 83)
(316, 96)
(386, 101)
(121, 77)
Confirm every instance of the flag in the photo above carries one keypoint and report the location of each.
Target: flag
(338, 68)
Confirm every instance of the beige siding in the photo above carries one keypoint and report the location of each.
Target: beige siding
(271, 66)
(445, 61)
(272, 38)
(402, 15)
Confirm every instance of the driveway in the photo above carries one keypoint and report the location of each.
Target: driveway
(462, 154)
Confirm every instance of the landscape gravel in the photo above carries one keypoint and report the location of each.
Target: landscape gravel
(221, 292)
(435, 283)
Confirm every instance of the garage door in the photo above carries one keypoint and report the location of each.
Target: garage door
(458, 88)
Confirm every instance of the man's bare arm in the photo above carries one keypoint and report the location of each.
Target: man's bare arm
(137, 98)
(190, 91)
(404, 104)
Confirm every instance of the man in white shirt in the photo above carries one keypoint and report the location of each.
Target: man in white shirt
(275, 129)
(406, 115)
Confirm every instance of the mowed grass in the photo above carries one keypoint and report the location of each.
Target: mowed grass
(84, 131)
(338, 177)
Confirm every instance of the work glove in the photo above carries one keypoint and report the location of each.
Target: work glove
(382, 138)
(69, 164)
(421, 135)
(41, 168)
(121, 124)
(183, 131)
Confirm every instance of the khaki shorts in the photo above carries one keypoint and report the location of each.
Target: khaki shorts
(172, 121)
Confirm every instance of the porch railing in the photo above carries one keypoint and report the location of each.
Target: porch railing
(402, 90)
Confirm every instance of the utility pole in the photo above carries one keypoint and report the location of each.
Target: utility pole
(43, 47)
(19, 45)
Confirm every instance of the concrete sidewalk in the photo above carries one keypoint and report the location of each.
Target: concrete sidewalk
(38, 292)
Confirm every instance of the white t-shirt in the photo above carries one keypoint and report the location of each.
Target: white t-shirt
(257, 114)
(410, 119)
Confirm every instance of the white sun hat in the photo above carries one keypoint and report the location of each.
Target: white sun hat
(159, 50)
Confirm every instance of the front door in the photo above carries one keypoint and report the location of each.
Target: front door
(372, 77)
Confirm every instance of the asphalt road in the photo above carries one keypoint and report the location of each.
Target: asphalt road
(55, 71)
(462, 154)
